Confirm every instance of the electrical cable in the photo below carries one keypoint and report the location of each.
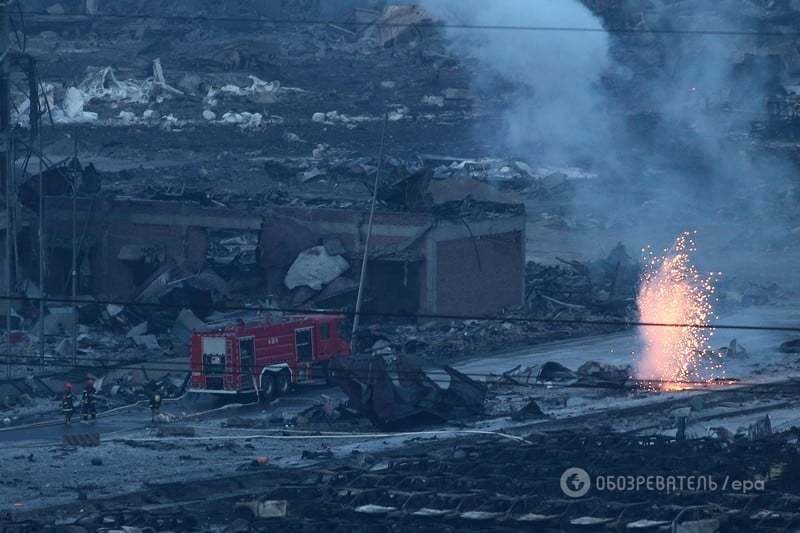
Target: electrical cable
(357, 24)
(429, 316)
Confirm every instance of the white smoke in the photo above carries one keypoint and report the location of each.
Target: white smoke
(556, 106)
(664, 114)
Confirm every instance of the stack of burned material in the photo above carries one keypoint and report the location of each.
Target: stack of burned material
(605, 288)
(403, 395)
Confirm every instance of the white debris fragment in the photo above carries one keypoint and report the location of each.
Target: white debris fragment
(72, 108)
(159, 83)
(169, 122)
(334, 117)
(374, 509)
(127, 117)
(310, 174)
(102, 84)
(398, 113)
(245, 120)
(148, 114)
(209, 115)
(315, 268)
(259, 90)
(319, 151)
(437, 101)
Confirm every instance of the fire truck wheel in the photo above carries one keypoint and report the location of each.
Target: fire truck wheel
(267, 391)
(282, 383)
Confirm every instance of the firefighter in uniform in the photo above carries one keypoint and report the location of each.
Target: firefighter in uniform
(68, 403)
(155, 405)
(88, 407)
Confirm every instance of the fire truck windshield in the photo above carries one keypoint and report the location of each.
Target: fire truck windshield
(213, 355)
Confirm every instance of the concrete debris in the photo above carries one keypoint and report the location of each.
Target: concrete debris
(186, 323)
(733, 350)
(59, 321)
(791, 346)
(101, 84)
(529, 411)
(314, 268)
(437, 101)
(72, 108)
(396, 25)
(64, 348)
(149, 342)
(603, 375)
(757, 430)
(245, 120)
(603, 286)
(589, 374)
(137, 330)
(374, 509)
(405, 396)
(259, 91)
(265, 508)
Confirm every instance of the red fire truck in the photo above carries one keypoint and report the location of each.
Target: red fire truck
(265, 357)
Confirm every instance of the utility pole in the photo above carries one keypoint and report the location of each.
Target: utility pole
(363, 276)
(42, 247)
(5, 161)
(75, 179)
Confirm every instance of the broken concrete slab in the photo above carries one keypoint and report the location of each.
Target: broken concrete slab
(149, 342)
(314, 268)
(264, 508)
(529, 411)
(186, 323)
(59, 321)
(396, 25)
(137, 331)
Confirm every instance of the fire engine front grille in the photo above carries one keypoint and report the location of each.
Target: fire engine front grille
(214, 383)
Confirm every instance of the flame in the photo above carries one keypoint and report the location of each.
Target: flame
(672, 291)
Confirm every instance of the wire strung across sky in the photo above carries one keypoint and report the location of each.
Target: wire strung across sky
(426, 316)
(437, 375)
(423, 24)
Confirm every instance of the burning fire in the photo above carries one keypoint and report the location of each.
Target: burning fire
(672, 291)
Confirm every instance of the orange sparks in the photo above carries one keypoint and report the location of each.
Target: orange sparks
(672, 291)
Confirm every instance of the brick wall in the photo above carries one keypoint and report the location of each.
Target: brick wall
(480, 275)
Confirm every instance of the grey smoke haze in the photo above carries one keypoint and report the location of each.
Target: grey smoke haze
(557, 100)
(665, 130)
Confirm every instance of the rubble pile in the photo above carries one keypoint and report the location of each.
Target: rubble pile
(605, 287)
(408, 396)
(470, 483)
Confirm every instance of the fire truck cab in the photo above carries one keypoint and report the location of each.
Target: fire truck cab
(265, 357)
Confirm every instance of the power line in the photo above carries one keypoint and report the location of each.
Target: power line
(322, 22)
(429, 316)
(435, 375)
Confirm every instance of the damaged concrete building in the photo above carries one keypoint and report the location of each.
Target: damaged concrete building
(419, 262)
